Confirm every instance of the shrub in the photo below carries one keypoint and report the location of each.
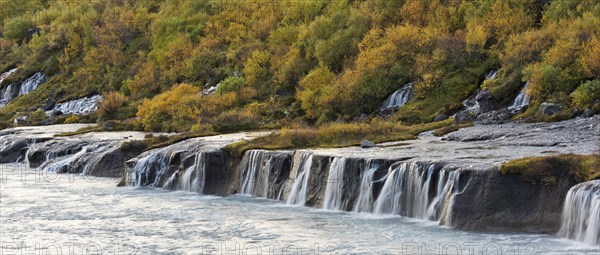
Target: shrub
(16, 29)
(112, 102)
(584, 95)
(174, 110)
(231, 84)
(72, 119)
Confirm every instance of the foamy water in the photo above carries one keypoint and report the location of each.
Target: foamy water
(72, 214)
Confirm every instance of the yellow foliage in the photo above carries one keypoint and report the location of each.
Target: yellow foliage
(173, 110)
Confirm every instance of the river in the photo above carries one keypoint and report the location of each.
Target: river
(73, 214)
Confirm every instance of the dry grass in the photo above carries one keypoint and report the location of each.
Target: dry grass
(549, 169)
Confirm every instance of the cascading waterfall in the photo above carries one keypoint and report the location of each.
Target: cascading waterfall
(63, 165)
(299, 191)
(581, 213)
(399, 97)
(522, 100)
(335, 182)
(407, 189)
(252, 163)
(194, 176)
(364, 201)
(82, 106)
(264, 173)
(17, 89)
(148, 170)
(491, 75)
(471, 104)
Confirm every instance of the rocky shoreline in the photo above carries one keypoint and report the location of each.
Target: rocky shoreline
(454, 180)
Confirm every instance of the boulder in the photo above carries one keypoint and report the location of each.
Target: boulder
(21, 120)
(441, 117)
(550, 108)
(48, 104)
(463, 117)
(494, 117)
(367, 144)
(486, 102)
(587, 113)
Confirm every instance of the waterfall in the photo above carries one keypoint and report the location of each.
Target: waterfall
(581, 213)
(335, 182)
(364, 201)
(399, 97)
(63, 165)
(82, 106)
(522, 99)
(407, 191)
(299, 192)
(17, 89)
(252, 163)
(264, 173)
(194, 176)
(147, 170)
(491, 75)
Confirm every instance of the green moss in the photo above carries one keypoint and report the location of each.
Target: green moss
(548, 170)
(449, 129)
(335, 135)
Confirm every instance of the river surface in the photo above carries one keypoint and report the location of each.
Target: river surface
(72, 214)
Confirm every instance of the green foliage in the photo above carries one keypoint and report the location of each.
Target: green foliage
(587, 94)
(16, 29)
(173, 110)
(315, 61)
(548, 170)
(231, 84)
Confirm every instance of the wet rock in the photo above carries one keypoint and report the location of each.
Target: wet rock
(11, 151)
(486, 101)
(367, 144)
(587, 113)
(494, 117)
(550, 108)
(21, 120)
(463, 117)
(441, 117)
(48, 104)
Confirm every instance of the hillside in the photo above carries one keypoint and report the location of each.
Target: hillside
(297, 64)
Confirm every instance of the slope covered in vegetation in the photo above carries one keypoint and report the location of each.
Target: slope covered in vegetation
(288, 61)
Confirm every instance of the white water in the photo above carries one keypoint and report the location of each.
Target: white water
(194, 176)
(335, 185)
(253, 162)
(471, 104)
(364, 201)
(82, 106)
(522, 100)
(62, 165)
(18, 89)
(85, 215)
(400, 97)
(581, 213)
(299, 191)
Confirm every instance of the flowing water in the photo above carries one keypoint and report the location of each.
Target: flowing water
(80, 106)
(522, 99)
(581, 213)
(399, 97)
(43, 213)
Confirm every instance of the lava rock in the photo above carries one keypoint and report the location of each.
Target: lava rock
(367, 144)
(441, 117)
(108, 125)
(486, 101)
(550, 108)
(463, 117)
(495, 117)
(48, 104)
(587, 113)
(47, 122)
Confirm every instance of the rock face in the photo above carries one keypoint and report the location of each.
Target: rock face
(550, 108)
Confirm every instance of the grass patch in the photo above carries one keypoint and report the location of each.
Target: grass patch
(449, 129)
(109, 126)
(154, 142)
(335, 135)
(548, 170)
